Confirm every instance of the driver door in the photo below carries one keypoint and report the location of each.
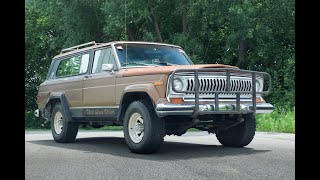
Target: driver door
(99, 86)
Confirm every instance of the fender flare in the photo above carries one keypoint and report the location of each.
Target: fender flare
(149, 89)
(64, 102)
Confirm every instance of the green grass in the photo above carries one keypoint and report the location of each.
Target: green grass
(276, 121)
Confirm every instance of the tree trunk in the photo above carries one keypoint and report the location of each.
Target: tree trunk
(130, 34)
(243, 48)
(155, 22)
(184, 17)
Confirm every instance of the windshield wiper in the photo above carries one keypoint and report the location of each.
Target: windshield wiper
(124, 64)
(168, 64)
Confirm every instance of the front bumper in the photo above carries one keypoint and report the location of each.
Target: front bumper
(165, 109)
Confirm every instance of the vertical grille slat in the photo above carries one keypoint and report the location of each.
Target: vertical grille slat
(246, 85)
(232, 86)
(211, 85)
(243, 86)
(206, 85)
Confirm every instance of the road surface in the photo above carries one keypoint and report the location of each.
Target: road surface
(194, 155)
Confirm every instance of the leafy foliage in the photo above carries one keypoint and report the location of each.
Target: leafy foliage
(42, 42)
(251, 34)
(277, 121)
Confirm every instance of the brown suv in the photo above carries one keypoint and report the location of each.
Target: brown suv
(152, 90)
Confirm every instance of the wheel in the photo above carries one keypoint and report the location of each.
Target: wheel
(143, 130)
(62, 130)
(239, 135)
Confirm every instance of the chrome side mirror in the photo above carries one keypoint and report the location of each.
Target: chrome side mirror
(107, 67)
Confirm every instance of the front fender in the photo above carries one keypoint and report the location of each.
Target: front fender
(149, 88)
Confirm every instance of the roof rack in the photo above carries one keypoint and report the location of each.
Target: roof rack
(78, 46)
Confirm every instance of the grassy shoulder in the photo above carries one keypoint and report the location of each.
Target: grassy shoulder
(276, 122)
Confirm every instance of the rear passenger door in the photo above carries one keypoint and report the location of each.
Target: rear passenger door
(99, 86)
(68, 77)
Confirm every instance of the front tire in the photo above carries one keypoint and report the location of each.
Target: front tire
(239, 135)
(143, 130)
(63, 131)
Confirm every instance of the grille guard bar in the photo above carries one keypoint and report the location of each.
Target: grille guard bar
(227, 72)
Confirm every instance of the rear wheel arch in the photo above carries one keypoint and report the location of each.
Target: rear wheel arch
(52, 101)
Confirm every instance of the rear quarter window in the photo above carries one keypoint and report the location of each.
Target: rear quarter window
(73, 66)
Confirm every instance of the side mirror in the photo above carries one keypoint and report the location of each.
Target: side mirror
(107, 67)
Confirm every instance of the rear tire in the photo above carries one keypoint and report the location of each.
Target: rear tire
(143, 130)
(240, 135)
(63, 131)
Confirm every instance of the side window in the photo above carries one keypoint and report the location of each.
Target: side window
(73, 66)
(103, 56)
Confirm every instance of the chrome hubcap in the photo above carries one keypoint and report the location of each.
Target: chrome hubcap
(136, 127)
(58, 122)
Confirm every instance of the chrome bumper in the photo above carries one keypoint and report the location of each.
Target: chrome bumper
(186, 109)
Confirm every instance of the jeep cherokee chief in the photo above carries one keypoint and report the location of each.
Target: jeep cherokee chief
(152, 90)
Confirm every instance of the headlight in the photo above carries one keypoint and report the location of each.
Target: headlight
(259, 85)
(178, 84)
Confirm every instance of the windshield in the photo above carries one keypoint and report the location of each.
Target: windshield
(151, 55)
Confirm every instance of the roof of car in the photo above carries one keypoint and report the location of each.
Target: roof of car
(93, 45)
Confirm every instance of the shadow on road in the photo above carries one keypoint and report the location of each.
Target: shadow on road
(169, 150)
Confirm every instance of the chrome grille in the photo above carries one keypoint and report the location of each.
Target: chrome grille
(219, 84)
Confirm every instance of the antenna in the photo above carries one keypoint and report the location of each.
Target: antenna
(125, 30)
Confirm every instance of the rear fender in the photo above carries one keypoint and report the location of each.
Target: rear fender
(53, 98)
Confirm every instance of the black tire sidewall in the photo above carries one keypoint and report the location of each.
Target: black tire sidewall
(133, 108)
(72, 127)
(151, 140)
(240, 135)
(58, 108)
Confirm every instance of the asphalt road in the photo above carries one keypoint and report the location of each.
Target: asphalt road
(195, 155)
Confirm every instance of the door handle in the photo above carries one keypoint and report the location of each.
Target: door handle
(88, 76)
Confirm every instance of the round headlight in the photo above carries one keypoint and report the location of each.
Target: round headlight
(258, 86)
(178, 84)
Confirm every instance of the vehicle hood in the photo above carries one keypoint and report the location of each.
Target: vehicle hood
(139, 71)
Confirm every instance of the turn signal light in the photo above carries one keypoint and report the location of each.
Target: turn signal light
(176, 100)
(260, 100)
(158, 83)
